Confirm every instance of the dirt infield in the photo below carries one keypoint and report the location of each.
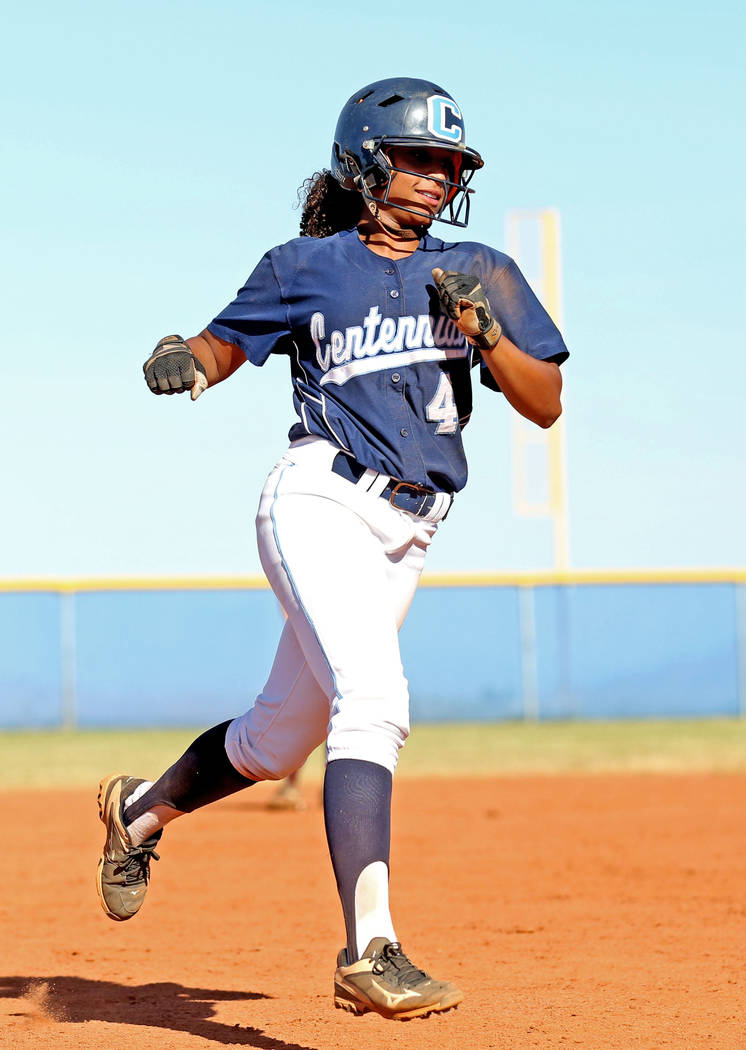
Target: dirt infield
(595, 912)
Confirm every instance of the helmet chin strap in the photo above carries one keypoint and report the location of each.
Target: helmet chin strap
(407, 233)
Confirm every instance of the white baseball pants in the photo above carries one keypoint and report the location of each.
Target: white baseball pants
(344, 564)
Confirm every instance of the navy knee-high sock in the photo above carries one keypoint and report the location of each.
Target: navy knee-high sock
(202, 775)
(357, 814)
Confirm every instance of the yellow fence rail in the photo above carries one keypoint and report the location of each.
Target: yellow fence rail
(544, 578)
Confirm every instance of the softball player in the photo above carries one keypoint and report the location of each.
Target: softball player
(383, 325)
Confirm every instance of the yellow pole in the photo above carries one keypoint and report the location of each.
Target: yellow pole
(549, 221)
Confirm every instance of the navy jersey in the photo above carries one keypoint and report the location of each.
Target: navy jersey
(377, 368)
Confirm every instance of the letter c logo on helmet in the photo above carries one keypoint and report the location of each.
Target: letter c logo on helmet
(444, 118)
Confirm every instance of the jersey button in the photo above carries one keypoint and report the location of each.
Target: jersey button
(394, 293)
(404, 432)
(395, 377)
(389, 271)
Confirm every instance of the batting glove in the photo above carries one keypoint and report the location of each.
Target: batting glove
(463, 300)
(172, 368)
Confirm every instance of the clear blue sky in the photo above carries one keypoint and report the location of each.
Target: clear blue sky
(151, 153)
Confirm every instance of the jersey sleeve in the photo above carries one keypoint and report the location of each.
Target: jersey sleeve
(257, 319)
(524, 320)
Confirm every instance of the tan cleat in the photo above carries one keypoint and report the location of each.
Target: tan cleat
(124, 870)
(385, 981)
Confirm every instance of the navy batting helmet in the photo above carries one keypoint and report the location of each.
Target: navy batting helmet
(402, 111)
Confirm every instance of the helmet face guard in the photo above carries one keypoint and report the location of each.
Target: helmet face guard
(407, 113)
(456, 193)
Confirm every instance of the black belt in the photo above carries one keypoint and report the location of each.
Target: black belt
(405, 495)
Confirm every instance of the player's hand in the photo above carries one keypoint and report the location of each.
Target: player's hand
(462, 298)
(172, 368)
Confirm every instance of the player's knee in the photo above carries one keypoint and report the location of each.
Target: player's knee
(371, 731)
(277, 767)
(261, 760)
(264, 765)
(382, 748)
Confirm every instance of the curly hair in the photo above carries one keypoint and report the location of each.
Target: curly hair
(327, 208)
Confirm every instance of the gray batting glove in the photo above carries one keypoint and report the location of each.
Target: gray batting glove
(172, 368)
(463, 299)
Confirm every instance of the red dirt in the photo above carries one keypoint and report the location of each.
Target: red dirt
(594, 912)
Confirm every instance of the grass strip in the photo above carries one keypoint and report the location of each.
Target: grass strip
(74, 759)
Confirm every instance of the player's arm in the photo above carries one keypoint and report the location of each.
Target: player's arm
(177, 365)
(220, 358)
(533, 387)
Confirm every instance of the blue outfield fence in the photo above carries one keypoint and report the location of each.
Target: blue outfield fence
(475, 648)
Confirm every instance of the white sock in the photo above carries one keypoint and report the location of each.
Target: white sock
(144, 827)
(372, 917)
(149, 822)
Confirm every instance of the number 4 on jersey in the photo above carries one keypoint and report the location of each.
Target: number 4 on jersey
(442, 408)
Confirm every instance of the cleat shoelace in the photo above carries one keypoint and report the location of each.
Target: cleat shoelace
(392, 958)
(137, 866)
